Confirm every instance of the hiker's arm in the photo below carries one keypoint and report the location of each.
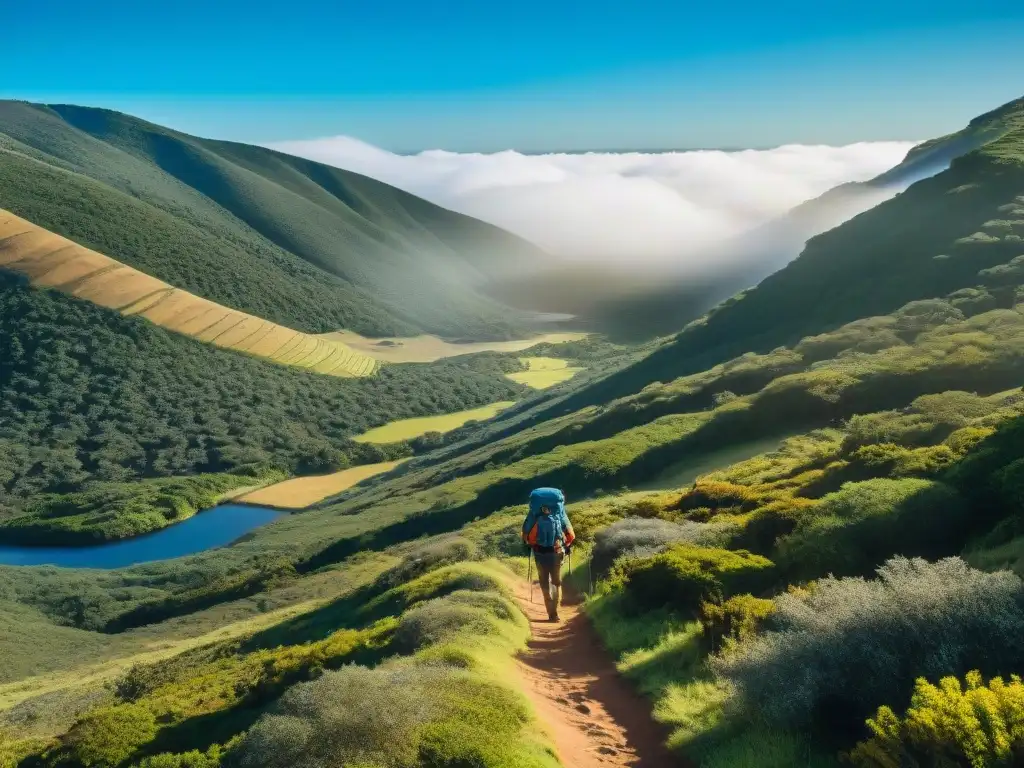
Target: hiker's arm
(568, 534)
(531, 520)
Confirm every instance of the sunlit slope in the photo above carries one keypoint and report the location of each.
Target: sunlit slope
(51, 261)
(302, 244)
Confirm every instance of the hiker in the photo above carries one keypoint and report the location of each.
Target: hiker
(548, 534)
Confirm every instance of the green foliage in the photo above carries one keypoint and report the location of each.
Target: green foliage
(475, 616)
(192, 759)
(109, 511)
(88, 395)
(107, 737)
(734, 620)
(446, 550)
(837, 650)
(684, 576)
(974, 724)
(852, 531)
(636, 536)
(353, 716)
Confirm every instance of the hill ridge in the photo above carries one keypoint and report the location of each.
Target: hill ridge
(51, 261)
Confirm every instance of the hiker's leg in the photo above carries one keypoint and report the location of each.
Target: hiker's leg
(556, 585)
(545, 570)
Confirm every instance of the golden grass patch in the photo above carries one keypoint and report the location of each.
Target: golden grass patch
(407, 429)
(427, 349)
(543, 372)
(301, 492)
(51, 261)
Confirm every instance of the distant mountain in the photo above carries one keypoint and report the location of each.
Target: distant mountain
(636, 307)
(292, 241)
(926, 242)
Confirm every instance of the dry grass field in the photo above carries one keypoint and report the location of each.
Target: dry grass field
(407, 429)
(543, 372)
(427, 349)
(301, 492)
(51, 261)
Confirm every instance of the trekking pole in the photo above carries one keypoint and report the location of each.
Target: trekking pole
(529, 573)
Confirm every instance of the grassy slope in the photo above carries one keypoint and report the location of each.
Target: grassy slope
(790, 504)
(295, 242)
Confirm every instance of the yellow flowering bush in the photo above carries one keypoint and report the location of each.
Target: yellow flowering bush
(950, 725)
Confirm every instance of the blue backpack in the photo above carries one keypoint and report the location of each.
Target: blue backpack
(550, 527)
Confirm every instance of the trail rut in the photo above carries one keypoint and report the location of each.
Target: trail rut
(594, 717)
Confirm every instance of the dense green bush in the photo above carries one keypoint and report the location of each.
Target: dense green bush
(637, 536)
(193, 759)
(734, 620)
(107, 737)
(949, 724)
(462, 613)
(442, 550)
(834, 652)
(87, 395)
(684, 576)
(351, 717)
(852, 531)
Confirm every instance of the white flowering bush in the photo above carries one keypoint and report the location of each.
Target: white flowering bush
(643, 537)
(842, 648)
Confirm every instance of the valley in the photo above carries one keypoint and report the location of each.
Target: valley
(792, 515)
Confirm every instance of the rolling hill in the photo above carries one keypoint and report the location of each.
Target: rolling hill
(49, 260)
(802, 516)
(291, 241)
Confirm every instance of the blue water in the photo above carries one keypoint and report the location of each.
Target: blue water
(206, 530)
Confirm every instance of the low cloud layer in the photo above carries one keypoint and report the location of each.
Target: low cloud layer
(650, 208)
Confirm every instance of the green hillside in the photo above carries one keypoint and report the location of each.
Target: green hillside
(88, 395)
(302, 244)
(802, 517)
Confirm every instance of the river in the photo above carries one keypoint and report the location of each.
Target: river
(213, 528)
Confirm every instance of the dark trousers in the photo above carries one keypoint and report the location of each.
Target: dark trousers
(549, 571)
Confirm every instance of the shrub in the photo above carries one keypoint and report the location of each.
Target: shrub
(353, 716)
(194, 759)
(633, 534)
(475, 614)
(108, 736)
(685, 575)
(949, 724)
(852, 531)
(426, 557)
(771, 522)
(837, 650)
(737, 619)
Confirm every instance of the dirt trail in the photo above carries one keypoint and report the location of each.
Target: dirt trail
(595, 718)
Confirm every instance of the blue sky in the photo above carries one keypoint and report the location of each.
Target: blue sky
(533, 75)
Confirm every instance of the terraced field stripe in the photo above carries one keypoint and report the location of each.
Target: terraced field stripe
(282, 356)
(319, 367)
(136, 305)
(231, 327)
(71, 286)
(264, 324)
(274, 355)
(33, 258)
(4, 241)
(227, 313)
(307, 351)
